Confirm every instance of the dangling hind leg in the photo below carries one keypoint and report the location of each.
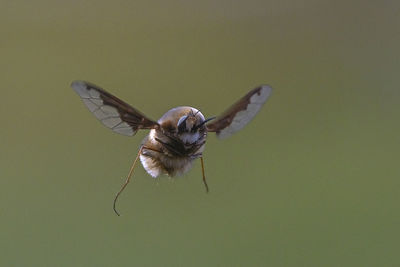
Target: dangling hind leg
(204, 176)
(127, 180)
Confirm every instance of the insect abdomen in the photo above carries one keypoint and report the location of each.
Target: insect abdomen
(155, 165)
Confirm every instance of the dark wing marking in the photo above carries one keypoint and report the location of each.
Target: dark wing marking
(112, 111)
(240, 113)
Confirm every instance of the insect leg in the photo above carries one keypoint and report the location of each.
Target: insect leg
(204, 176)
(152, 149)
(127, 180)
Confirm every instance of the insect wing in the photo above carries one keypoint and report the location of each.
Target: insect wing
(240, 113)
(112, 111)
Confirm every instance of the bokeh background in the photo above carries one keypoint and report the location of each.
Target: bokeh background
(312, 181)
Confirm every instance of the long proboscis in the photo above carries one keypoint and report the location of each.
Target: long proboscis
(204, 122)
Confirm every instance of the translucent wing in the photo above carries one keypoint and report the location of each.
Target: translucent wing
(112, 111)
(240, 113)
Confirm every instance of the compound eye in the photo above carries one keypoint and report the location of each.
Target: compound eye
(182, 124)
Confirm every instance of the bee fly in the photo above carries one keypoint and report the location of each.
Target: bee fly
(178, 137)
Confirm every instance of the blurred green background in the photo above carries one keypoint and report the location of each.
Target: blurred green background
(312, 181)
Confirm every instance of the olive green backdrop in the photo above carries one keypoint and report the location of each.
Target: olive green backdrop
(312, 181)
